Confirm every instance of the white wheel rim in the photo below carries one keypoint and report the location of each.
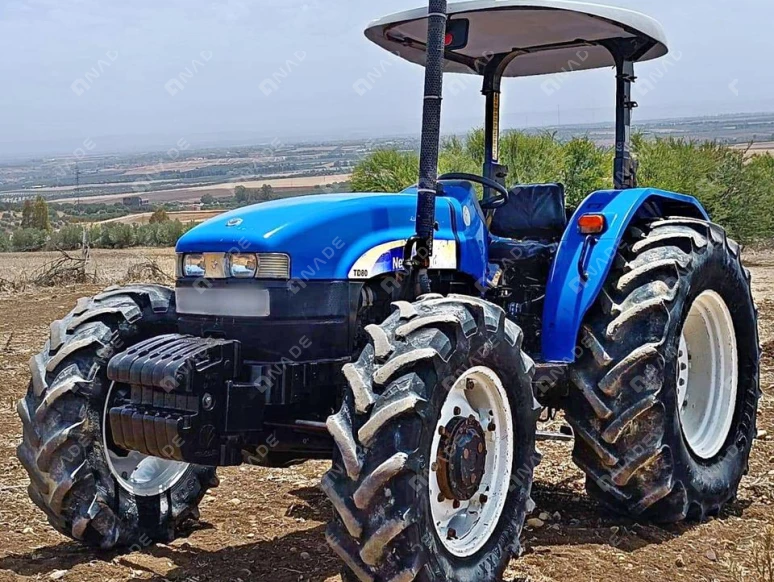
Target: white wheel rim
(707, 375)
(141, 475)
(473, 522)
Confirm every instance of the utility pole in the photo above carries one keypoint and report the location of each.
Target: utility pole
(77, 187)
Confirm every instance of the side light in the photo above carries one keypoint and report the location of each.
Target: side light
(591, 224)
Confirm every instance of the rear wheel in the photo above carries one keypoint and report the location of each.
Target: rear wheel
(667, 387)
(435, 447)
(90, 489)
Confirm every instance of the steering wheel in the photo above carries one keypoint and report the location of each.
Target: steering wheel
(490, 203)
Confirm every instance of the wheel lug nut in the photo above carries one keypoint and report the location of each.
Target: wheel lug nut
(456, 504)
(483, 498)
(434, 466)
(451, 534)
(441, 498)
(492, 427)
(469, 384)
(457, 411)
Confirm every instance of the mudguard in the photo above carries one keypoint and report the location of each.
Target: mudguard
(582, 262)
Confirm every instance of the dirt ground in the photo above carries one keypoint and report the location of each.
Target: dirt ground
(268, 524)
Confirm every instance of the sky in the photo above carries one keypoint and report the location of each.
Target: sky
(144, 74)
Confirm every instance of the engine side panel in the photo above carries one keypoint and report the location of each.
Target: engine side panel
(568, 295)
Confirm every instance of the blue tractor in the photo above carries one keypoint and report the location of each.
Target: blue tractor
(415, 337)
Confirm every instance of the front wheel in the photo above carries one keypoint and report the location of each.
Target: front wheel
(666, 391)
(90, 489)
(435, 446)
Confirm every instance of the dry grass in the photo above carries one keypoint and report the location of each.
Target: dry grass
(27, 271)
(62, 271)
(761, 561)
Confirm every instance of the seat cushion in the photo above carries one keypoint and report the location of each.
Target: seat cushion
(533, 212)
(506, 250)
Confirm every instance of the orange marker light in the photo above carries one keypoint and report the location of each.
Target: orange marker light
(591, 224)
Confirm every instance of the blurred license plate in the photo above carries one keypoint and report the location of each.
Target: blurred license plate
(242, 301)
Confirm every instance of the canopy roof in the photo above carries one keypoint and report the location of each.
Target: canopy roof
(549, 36)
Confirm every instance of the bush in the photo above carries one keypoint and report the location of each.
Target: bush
(28, 239)
(68, 238)
(5, 242)
(737, 192)
(587, 168)
(159, 215)
(386, 171)
(116, 235)
(165, 234)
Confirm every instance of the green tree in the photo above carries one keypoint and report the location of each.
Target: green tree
(5, 242)
(241, 194)
(267, 193)
(40, 216)
(27, 212)
(208, 199)
(159, 215)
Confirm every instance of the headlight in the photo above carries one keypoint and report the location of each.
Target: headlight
(243, 265)
(193, 265)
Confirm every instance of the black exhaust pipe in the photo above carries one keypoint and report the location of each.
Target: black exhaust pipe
(431, 130)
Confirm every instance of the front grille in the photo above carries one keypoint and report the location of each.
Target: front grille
(273, 266)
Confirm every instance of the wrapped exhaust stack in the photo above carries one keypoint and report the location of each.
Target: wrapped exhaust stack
(431, 126)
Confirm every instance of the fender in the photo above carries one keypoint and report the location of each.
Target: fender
(568, 294)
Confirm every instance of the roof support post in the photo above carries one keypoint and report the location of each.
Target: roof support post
(493, 76)
(431, 134)
(625, 168)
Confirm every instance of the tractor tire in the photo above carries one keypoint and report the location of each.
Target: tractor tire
(64, 446)
(385, 475)
(659, 431)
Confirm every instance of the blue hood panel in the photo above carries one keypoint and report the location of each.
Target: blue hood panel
(324, 234)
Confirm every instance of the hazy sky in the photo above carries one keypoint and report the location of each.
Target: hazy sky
(193, 69)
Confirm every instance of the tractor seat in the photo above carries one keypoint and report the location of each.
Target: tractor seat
(530, 225)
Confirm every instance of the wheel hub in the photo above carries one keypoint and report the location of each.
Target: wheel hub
(707, 375)
(461, 458)
(139, 474)
(471, 461)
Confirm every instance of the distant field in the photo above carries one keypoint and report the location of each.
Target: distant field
(764, 147)
(183, 216)
(218, 190)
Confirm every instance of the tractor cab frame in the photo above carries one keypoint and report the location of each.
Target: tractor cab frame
(496, 39)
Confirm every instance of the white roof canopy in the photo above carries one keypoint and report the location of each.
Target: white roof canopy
(549, 36)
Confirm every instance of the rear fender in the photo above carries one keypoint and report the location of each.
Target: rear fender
(569, 295)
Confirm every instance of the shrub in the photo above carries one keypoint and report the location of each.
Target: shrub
(116, 235)
(386, 171)
(28, 239)
(68, 238)
(159, 215)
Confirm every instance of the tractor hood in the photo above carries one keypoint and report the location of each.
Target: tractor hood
(328, 236)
